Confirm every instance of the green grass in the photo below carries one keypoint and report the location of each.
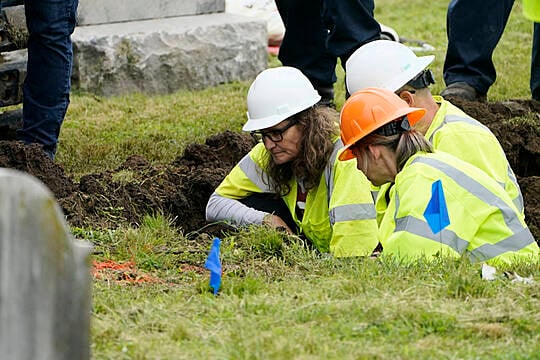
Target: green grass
(279, 299)
(100, 133)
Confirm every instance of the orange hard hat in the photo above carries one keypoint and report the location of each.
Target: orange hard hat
(369, 109)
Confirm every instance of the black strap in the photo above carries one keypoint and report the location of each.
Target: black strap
(422, 80)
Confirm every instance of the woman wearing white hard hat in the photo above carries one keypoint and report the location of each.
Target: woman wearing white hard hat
(292, 178)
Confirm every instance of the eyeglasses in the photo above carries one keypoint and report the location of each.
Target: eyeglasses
(276, 135)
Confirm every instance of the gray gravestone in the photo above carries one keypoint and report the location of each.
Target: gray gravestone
(162, 56)
(162, 46)
(93, 12)
(44, 276)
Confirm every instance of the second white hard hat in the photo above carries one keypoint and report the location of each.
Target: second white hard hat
(276, 94)
(383, 64)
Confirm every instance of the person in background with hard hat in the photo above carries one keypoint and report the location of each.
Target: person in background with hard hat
(439, 205)
(292, 179)
(395, 67)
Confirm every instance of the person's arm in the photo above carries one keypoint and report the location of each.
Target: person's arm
(222, 208)
(245, 179)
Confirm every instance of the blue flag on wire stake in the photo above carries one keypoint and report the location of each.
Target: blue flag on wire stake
(436, 212)
(214, 265)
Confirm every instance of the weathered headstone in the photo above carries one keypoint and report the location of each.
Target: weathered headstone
(93, 12)
(166, 55)
(44, 276)
(180, 45)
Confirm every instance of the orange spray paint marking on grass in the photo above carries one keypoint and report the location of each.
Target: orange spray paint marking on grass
(125, 272)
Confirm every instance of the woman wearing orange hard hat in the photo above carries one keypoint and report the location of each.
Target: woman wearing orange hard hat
(439, 205)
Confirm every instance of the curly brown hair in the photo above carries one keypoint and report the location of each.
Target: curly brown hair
(320, 126)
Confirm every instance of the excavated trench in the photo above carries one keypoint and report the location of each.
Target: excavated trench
(181, 189)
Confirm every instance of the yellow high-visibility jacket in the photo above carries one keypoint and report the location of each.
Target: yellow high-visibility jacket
(456, 133)
(485, 224)
(339, 213)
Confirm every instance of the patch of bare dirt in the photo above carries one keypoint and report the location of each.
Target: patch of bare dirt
(181, 189)
(31, 159)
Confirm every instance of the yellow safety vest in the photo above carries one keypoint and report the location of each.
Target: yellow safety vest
(485, 224)
(456, 133)
(340, 214)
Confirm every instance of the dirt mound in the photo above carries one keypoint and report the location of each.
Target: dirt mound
(517, 133)
(181, 189)
(33, 160)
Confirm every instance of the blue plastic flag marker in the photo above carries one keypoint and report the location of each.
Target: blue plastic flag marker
(436, 212)
(214, 265)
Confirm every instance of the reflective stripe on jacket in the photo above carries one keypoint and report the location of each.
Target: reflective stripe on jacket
(340, 213)
(456, 133)
(485, 225)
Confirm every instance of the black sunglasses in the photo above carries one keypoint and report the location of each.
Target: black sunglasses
(276, 135)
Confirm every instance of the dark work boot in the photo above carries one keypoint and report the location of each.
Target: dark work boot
(464, 91)
(327, 96)
(536, 94)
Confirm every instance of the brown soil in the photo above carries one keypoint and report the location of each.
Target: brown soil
(181, 189)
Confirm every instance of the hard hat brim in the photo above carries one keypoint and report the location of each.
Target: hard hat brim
(422, 63)
(264, 123)
(346, 154)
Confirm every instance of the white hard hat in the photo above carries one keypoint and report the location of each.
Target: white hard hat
(383, 64)
(276, 94)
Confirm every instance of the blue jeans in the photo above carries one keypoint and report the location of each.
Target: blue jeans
(474, 29)
(317, 32)
(535, 63)
(48, 80)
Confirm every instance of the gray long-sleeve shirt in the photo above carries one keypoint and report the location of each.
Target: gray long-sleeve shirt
(219, 208)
